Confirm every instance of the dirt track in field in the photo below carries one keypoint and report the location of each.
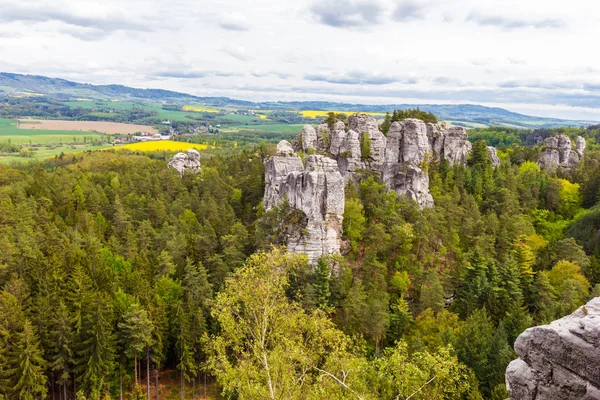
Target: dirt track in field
(109, 128)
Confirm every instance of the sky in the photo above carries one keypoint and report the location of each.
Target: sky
(537, 57)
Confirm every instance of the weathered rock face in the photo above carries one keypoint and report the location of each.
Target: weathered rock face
(398, 157)
(559, 361)
(277, 170)
(559, 153)
(493, 155)
(450, 144)
(182, 162)
(316, 189)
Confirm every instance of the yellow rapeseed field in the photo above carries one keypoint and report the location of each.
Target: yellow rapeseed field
(320, 113)
(162, 145)
(199, 109)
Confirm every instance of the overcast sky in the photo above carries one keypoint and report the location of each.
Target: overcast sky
(534, 56)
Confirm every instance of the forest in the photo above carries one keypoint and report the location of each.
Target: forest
(114, 269)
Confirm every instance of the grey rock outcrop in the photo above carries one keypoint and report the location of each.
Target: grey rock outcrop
(277, 169)
(559, 361)
(398, 158)
(317, 190)
(580, 146)
(559, 153)
(493, 155)
(188, 161)
(450, 144)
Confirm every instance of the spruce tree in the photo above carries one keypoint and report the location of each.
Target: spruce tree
(31, 381)
(137, 328)
(321, 283)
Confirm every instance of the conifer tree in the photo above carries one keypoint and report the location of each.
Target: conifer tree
(138, 329)
(31, 381)
(321, 283)
(94, 359)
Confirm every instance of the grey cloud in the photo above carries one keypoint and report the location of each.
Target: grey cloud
(187, 74)
(83, 33)
(232, 26)
(262, 74)
(512, 23)
(516, 61)
(11, 35)
(234, 23)
(409, 10)
(347, 13)
(358, 78)
(107, 23)
(544, 85)
(237, 52)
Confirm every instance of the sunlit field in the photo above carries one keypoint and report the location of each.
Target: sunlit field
(321, 113)
(162, 145)
(199, 109)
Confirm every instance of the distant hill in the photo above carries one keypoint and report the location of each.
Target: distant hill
(460, 114)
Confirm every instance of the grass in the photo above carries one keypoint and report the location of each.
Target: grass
(162, 145)
(274, 128)
(169, 114)
(39, 153)
(10, 132)
(242, 118)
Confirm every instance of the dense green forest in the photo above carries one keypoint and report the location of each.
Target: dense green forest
(112, 267)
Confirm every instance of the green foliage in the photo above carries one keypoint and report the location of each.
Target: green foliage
(365, 147)
(112, 257)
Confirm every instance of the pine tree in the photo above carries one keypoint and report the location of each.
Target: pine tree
(94, 360)
(62, 345)
(138, 328)
(31, 382)
(321, 283)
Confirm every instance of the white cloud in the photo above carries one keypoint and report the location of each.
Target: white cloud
(512, 52)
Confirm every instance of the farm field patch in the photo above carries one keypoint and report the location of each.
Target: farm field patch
(199, 109)
(109, 128)
(275, 128)
(10, 133)
(162, 145)
(321, 113)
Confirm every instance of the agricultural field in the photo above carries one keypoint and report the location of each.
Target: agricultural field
(9, 132)
(275, 128)
(199, 109)
(109, 128)
(321, 113)
(162, 145)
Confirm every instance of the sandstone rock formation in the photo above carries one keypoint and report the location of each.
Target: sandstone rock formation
(336, 152)
(398, 158)
(559, 361)
(317, 190)
(188, 161)
(493, 155)
(559, 153)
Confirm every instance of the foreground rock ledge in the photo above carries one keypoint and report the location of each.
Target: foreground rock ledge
(559, 361)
